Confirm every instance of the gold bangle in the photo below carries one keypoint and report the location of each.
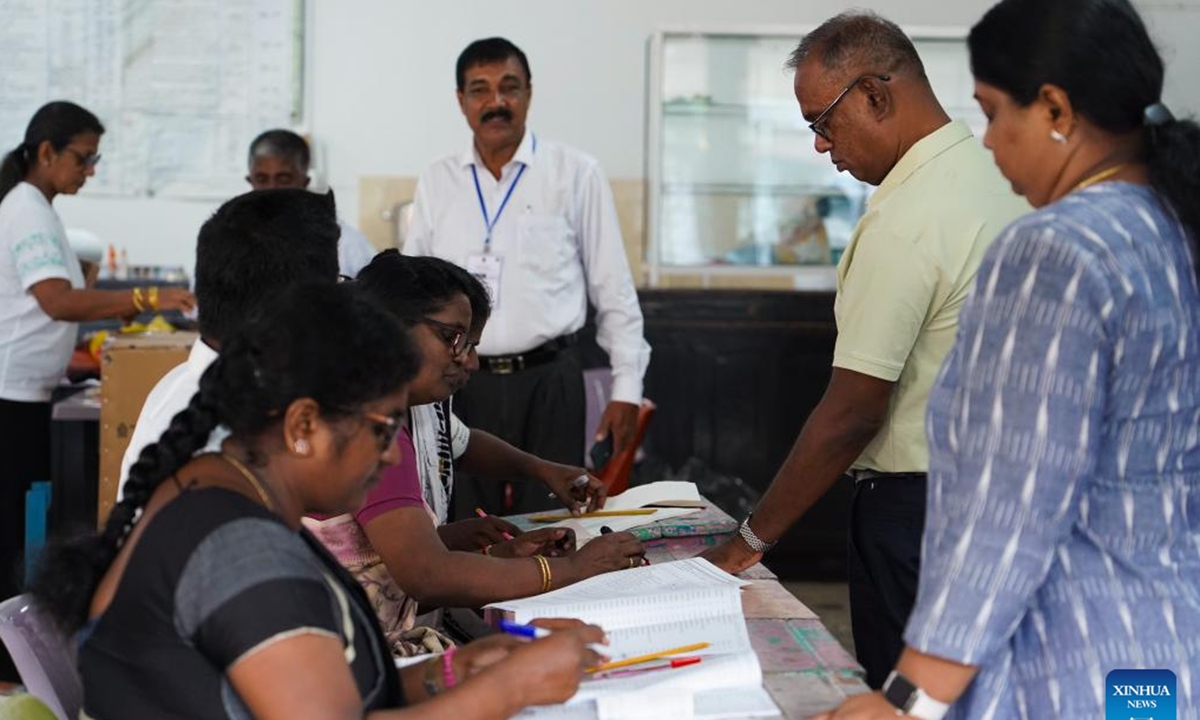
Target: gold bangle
(544, 568)
(152, 297)
(138, 303)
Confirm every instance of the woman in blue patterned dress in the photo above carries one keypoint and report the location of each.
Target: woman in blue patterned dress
(1063, 532)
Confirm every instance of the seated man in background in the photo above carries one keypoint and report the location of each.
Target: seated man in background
(251, 249)
(280, 159)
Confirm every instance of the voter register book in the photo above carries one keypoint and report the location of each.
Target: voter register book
(646, 610)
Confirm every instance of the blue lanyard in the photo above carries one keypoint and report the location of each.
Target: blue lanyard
(487, 241)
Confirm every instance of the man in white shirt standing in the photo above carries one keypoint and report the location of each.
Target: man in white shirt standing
(254, 246)
(280, 159)
(535, 221)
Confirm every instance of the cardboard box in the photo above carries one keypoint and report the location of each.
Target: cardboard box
(130, 366)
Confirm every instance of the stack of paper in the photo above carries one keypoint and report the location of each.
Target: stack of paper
(659, 493)
(647, 610)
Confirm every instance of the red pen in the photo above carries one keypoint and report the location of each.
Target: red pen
(675, 663)
(482, 514)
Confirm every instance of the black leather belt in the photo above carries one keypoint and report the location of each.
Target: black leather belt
(540, 355)
(860, 474)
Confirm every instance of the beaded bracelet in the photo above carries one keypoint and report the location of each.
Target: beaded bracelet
(448, 679)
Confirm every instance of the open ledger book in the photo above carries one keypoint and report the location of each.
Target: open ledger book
(646, 610)
(666, 492)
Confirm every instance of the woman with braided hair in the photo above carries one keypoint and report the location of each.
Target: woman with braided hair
(399, 544)
(203, 596)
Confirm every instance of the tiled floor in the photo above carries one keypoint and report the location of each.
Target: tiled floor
(830, 601)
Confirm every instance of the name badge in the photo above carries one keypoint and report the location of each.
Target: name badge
(486, 267)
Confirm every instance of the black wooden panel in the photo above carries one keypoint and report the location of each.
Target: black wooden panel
(735, 374)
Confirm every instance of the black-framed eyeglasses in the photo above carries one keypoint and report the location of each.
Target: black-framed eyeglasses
(454, 337)
(817, 126)
(509, 90)
(384, 427)
(85, 161)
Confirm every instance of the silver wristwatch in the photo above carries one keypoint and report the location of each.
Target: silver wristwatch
(756, 543)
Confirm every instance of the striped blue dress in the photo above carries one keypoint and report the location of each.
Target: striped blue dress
(1063, 527)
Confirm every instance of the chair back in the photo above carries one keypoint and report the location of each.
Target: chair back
(44, 658)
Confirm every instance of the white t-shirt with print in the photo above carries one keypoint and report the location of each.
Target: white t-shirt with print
(34, 349)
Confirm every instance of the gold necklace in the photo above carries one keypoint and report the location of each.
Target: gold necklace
(250, 478)
(1099, 177)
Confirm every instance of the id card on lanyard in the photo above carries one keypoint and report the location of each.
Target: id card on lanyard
(487, 266)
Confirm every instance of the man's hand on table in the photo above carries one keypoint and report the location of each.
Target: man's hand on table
(732, 556)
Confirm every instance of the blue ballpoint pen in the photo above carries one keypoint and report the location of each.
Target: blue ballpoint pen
(520, 630)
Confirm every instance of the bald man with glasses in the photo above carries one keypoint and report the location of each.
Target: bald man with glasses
(901, 282)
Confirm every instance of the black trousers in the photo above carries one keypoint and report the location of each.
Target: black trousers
(25, 429)
(542, 411)
(25, 437)
(887, 520)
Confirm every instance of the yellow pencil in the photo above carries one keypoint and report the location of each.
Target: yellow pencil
(598, 513)
(647, 658)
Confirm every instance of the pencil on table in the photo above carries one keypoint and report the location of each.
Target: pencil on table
(647, 658)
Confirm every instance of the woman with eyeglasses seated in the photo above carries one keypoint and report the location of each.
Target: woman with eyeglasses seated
(204, 597)
(1060, 558)
(43, 294)
(399, 543)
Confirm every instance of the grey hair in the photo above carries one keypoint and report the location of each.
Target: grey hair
(283, 144)
(862, 40)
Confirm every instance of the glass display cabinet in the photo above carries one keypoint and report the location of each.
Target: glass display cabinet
(737, 194)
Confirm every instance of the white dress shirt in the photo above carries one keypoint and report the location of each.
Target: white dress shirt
(170, 395)
(560, 245)
(355, 251)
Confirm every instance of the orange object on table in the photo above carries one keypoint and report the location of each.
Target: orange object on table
(615, 474)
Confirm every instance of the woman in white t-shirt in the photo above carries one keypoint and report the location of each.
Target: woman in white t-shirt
(43, 294)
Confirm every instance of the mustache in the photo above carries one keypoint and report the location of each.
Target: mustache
(497, 113)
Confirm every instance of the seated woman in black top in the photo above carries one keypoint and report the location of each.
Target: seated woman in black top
(204, 598)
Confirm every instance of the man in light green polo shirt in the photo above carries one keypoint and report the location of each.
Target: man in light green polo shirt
(901, 282)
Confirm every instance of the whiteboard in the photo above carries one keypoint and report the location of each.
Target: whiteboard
(181, 86)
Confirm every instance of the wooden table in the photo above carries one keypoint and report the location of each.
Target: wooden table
(804, 667)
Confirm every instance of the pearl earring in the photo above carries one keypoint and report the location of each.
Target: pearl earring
(302, 447)
(1058, 137)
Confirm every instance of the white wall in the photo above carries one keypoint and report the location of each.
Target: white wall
(381, 85)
